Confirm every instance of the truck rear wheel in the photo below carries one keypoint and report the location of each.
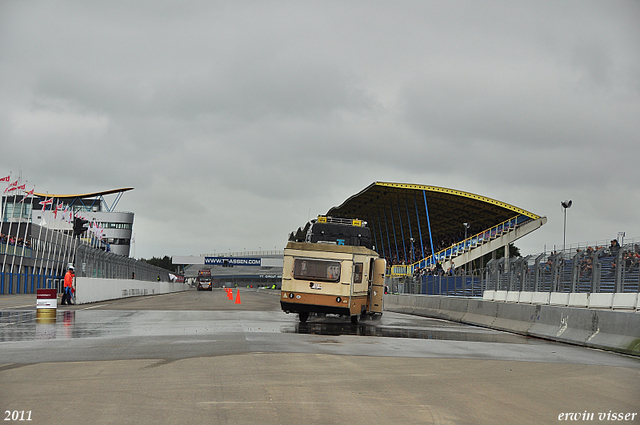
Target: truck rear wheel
(355, 319)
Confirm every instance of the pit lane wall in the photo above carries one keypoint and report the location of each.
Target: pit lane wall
(91, 290)
(616, 330)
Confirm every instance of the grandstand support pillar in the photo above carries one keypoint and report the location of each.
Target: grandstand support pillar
(424, 194)
(386, 227)
(537, 271)
(406, 203)
(507, 266)
(619, 264)
(381, 238)
(393, 227)
(575, 272)
(596, 271)
(419, 228)
(404, 246)
(374, 232)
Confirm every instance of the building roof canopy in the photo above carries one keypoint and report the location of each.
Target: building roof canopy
(389, 206)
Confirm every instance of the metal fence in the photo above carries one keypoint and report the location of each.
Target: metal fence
(91, 262)
(587, 270)
(471, 285)
(594, 270)
(24, 271)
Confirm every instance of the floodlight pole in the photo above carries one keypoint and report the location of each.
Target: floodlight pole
(565, 205)
(413, 254)
(466, 227)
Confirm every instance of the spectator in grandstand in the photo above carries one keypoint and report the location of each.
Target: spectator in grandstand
(439, 271)
(614, 248)
(586, 263)
(549, 262)
(631, 259)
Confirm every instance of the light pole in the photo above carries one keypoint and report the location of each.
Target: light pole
(565, 205)
(413, 256)
(466, 227)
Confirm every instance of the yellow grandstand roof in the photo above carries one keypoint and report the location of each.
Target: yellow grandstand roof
(394, 205)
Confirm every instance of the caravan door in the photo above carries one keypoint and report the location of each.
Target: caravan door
(379, 267)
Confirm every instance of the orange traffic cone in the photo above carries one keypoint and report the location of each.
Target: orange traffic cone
(238, 297)
(230, 293)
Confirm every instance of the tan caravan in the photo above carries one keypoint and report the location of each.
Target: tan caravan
(330, 276)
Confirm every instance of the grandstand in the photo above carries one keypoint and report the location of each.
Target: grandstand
(416, 226)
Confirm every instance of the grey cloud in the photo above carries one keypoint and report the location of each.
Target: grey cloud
(236, 121)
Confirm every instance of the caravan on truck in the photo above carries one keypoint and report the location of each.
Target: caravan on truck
(330, 268)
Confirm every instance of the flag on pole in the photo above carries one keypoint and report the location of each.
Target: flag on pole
(27, 194)
(11, 187)
(6, 179)
(46, 202)
(55, 212)
(65, 214)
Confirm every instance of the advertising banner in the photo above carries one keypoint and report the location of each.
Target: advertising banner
(232, 261)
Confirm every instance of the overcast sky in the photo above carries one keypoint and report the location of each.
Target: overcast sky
(238, 121)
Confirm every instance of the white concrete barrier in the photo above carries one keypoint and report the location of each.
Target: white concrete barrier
(622, 301)
(559, 298)
(616, 330)
(513, 296)
(488, 295)
(599, 300)
(579, 300)
(500, 296)
(91, 290)
(526, 297)
(540, 298)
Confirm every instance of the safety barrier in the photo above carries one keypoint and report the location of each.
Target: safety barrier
(90, 290)
(616, 330)
(615, 301)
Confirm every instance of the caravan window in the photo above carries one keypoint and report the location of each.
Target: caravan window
(357, 272)
(328, 271)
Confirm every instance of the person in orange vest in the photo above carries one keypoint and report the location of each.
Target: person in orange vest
(68, 285)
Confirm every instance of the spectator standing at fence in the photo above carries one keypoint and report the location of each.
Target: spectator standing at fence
(68, 285)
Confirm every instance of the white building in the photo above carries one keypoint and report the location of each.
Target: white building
(116, 226)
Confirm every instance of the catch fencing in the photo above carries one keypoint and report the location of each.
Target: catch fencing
(43, 265)
(587, 270)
